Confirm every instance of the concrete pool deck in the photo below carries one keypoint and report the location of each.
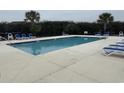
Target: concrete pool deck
(81, 63)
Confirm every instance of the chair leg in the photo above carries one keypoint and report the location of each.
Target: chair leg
(108, 53)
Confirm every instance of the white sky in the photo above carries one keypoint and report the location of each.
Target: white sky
(61, 15)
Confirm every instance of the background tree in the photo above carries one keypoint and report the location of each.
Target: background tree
(72, 28)
(56, 28)
(105, 18)
(32, 16)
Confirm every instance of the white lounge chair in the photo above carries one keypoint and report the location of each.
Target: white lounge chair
(121, 33)
(10, 36)
(85, 32)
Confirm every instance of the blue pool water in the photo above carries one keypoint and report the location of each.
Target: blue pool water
(45, 46)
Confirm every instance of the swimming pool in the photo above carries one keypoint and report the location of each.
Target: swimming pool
(45, 46)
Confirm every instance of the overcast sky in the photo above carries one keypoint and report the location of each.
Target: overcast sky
(56, 15)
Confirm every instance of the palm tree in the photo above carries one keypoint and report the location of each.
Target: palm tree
(105, 18)
(32, 16)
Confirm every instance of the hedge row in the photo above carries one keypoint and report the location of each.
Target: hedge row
(53, 28)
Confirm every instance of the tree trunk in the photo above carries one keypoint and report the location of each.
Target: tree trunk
(105, 26)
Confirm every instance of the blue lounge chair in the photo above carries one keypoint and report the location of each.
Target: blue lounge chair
(98, 34)
(116, 45)
(24, 36)
(113, 50)
(17, 36)
(30, 36)
(106, 34)
(120, 42)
